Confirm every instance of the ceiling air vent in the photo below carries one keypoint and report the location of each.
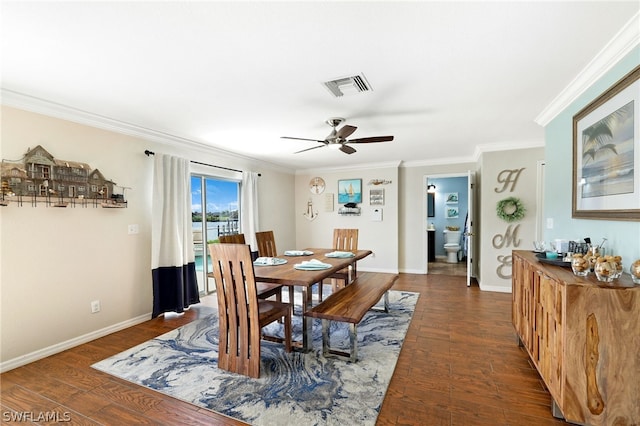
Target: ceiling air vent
(348, 85)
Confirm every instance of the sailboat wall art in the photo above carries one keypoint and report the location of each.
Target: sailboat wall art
(349, 191)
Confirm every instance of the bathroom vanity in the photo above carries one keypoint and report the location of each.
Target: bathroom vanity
(431, 245)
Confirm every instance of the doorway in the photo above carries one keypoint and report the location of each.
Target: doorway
(447, 209)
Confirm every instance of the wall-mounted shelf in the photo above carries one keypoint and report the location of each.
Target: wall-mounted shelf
(34, 201)
(349, 211)
(40, 178)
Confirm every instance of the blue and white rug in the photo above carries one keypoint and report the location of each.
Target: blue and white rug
(294, 388)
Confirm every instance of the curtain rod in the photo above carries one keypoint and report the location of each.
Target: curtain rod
(148, 153)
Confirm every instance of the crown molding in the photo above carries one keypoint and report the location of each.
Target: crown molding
(506, 146)
(438, 162)
(622, 43)
(363, 166)
(479, 150)
(53, 109)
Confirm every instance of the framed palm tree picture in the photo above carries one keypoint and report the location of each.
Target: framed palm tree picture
(606, 154)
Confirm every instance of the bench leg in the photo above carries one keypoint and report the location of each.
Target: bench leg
(386, 304)
(353, 337)
(352, 355)
(326, 338)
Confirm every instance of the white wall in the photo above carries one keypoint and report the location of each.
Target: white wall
(55, 261)
(380, 237)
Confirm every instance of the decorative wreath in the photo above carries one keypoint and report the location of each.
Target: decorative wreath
(510, 209)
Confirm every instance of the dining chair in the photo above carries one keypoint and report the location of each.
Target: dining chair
(241, 314)
(232, 239)
(265, 290)
(267, 248)
(343, 240)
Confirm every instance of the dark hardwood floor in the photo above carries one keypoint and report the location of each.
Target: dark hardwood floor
(442, 267)
(460, 365)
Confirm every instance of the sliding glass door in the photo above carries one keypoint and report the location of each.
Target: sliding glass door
(214, 212)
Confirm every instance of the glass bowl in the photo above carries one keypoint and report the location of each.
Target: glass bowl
(580, 266)
(634, 270)
(607, 271)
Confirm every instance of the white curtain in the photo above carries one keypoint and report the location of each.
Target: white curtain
(249, 205)
(172, 257)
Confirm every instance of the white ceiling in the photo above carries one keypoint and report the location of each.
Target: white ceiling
(447, 77)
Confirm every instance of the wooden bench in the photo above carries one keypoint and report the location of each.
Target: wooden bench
(350, 304)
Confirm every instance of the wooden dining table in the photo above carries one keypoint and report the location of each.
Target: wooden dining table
(286, 275)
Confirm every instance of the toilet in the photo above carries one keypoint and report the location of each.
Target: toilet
(452, 245)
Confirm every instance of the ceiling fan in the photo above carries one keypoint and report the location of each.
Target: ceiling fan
(338, 138)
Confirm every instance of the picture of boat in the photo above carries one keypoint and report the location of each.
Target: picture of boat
(350, 191)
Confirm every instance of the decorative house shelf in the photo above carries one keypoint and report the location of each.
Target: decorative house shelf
(34, 201)
(40, 179)
(349, 211)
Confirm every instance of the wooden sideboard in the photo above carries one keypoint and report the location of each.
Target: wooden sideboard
(583, 337)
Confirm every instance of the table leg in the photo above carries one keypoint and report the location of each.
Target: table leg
(307, 322)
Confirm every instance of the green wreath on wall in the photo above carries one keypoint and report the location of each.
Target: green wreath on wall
(510, 209)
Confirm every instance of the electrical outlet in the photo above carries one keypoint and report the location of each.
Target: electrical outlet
(133, 229)
(95, 306)
(549, 223)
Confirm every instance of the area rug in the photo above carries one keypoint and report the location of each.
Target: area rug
(294, 388)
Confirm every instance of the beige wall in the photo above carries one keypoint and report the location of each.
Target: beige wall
(494, 246)
(380, 237)
(55, 261)
(413, 215)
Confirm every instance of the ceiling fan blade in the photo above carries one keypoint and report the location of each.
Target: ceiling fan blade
(301, 139)
(346, 131)
(347, 149)
(372, 139)
(309, 149)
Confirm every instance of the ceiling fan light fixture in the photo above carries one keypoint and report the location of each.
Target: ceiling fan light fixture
(348, 85)
(334, 146)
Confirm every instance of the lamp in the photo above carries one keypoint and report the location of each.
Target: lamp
(431, 188)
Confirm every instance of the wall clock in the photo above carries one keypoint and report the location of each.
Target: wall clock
(316, 185)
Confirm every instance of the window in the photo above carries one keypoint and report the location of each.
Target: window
(214, 212)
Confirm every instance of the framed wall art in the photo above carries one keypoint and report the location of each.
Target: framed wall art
(606, 154)
(451, 198)
(451, 212)
(349, 191)
(376, 197)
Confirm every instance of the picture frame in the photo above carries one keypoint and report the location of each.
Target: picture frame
(451, 212)
(349, 191)
(606, 154)
(451, 198)
(376, 197)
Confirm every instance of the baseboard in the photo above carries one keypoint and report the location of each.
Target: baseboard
(71, 343)
(498, 289)
(386, 271)
(414, 271)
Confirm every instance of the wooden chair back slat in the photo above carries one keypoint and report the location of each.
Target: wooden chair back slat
(232, 239)
(345, 239)
(266, 244)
